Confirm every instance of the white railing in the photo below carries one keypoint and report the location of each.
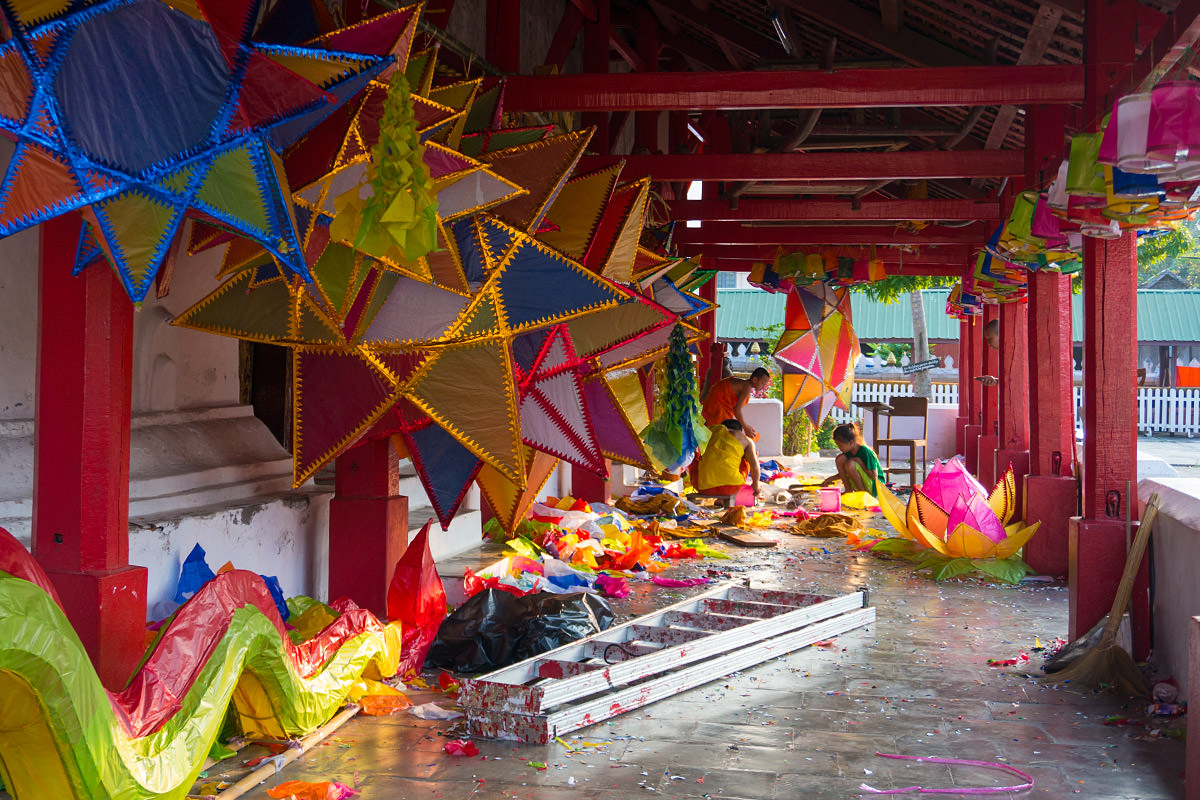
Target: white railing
(1160, 410)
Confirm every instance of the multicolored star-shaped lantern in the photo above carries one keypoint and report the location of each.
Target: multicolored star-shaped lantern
(817, 351)
(136, 112)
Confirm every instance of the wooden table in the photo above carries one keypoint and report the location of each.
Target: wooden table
(874, 408)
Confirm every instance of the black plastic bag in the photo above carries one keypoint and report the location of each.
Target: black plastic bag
(494, 629)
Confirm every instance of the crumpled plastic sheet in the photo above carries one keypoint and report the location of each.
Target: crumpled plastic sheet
(433, 711)
(460, 747)
(494, 629)
(417, 600)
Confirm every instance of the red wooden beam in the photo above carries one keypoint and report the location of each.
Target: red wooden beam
(905, 165)
(734, 233)
(1173, 41)
(755, 209)
(564, 37)
(850, 88)
(955, 255)
(933, 270)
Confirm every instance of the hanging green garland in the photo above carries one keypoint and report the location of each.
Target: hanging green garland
(394, 215)
(678, 432)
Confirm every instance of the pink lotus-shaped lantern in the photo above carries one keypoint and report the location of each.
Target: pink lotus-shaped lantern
(976, 524)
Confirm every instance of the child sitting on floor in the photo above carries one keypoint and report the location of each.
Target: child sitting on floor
(857, 467)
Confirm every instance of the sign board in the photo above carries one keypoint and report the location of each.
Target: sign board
(921, 366)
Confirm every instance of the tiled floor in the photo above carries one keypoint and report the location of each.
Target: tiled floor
(808, 725)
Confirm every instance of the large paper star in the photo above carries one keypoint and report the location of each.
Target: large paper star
(136, 112)
(817, 351)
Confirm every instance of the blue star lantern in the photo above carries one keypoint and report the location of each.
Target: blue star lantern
(137, 113)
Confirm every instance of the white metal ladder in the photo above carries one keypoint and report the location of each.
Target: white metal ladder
(726, 629)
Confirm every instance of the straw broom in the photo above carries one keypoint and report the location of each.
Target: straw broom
(1107, 665)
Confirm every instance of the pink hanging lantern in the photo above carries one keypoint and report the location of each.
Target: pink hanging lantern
(1173, 132)
(1107, 154)
(1133, 112)
(1046, 226)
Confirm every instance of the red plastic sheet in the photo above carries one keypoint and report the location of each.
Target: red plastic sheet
(417, 601)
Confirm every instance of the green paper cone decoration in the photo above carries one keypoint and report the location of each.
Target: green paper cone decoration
(679, 431)
(393, 215)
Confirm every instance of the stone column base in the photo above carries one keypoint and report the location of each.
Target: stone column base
(1096, 559)
(1051, 500)
(108, 611)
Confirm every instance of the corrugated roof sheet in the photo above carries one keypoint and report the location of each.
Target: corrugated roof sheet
(1163, 315)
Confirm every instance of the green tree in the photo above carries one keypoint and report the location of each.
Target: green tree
(1177, 252)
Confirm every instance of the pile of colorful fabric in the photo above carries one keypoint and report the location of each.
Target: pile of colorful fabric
(772, 470)
(584, 548)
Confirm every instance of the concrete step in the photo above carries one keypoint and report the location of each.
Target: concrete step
(464, 533)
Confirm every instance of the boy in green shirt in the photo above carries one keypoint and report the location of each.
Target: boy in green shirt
(857, 467)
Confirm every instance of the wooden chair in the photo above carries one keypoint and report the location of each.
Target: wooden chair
(906, 408)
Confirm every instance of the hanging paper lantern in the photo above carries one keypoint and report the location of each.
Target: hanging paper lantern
(1173, 133)
(1085, 177)
(1133, 113)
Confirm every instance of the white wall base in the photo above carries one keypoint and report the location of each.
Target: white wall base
(1176, 543)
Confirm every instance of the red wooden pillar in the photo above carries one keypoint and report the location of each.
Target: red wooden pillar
(1097, 539)
(1014, 396)
(503, 47)
(81, 453)
(595, 59)
(712, 352)
(1096, 555)
(989, 439)
(368, 525)
(1051, 497)
(591, 487)
(974, 427)
(646, 122)
(964, 378)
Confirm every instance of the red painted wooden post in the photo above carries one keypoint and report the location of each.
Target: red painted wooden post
(591, 487)
(989, 438)
(595, 60)
(81, 453)
(974, 428)
(503, 48)
(1097, 539)
(1014, 397)
(964, 377)
(368, 525)
(710, 353)
(645, 136)
(1049, 498)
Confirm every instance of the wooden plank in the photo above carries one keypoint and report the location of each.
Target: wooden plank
(1041, 33)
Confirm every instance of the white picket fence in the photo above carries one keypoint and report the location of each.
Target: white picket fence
(1160, 410)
